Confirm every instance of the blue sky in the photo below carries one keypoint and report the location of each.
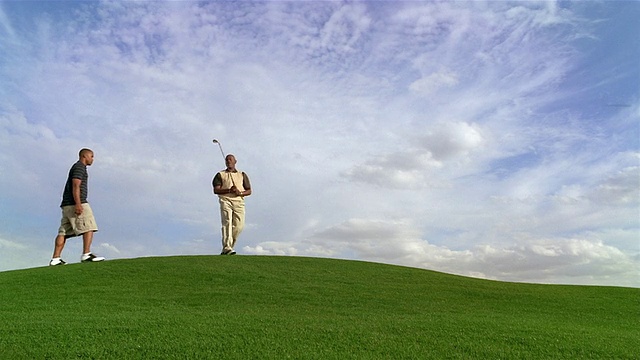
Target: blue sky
(494, 139)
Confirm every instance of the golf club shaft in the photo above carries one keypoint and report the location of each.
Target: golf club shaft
(215, 141)
(220, 146)
(221, 152)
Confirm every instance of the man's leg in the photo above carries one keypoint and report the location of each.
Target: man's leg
(226, 213)
(87, 239)
(65, 229)
(87, 255)
(85, 225)
(238, 220)
(58, 246)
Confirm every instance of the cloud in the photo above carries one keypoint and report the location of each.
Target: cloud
(5, 23)
(345, 27)
(6, 244)
(452, 139)
(619, 188)
(109, 248)
(23, 252)
(574, 260)
(433, 82)
(443, 146)
(584, 260)
(399, 170)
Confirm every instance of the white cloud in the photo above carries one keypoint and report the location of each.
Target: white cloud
(399, 170)
(22, 252)
(621, 188)
(6, 244)
(433, 82)
(574, 260)
(108, 247)
(345, 27)
(452, 139)
(5, 23)
(444, 146)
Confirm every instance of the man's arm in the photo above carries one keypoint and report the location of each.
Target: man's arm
(218, 190)
(75, 183)
(217, 186)
(246, 184)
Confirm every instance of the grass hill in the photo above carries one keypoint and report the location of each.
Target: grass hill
(261, 307)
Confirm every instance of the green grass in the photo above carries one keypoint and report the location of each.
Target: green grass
(260, 307)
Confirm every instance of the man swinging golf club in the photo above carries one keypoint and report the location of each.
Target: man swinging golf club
(231, 186)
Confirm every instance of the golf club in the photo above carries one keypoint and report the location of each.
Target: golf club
(215, 141)
(224, 158)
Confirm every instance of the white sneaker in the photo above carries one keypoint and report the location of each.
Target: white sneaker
(57, 261)
(91, 258)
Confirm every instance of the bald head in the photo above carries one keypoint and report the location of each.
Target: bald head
(230, 161)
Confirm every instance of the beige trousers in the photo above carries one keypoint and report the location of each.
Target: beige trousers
(232, 217)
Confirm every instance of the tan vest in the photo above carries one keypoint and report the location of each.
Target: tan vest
(229, 179)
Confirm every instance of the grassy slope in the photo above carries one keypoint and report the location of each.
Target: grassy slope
(277, 307)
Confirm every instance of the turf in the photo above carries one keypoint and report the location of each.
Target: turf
(261, 307)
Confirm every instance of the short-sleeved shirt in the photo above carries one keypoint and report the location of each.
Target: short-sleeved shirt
(77, 171)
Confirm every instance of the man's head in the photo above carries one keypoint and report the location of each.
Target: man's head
(230, 161)
(86, 156)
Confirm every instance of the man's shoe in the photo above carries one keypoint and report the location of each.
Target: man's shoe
(232, 252)
(91, 258)
(56, 262)
(228, 252)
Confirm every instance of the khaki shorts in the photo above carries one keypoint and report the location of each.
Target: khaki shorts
(73, 225)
